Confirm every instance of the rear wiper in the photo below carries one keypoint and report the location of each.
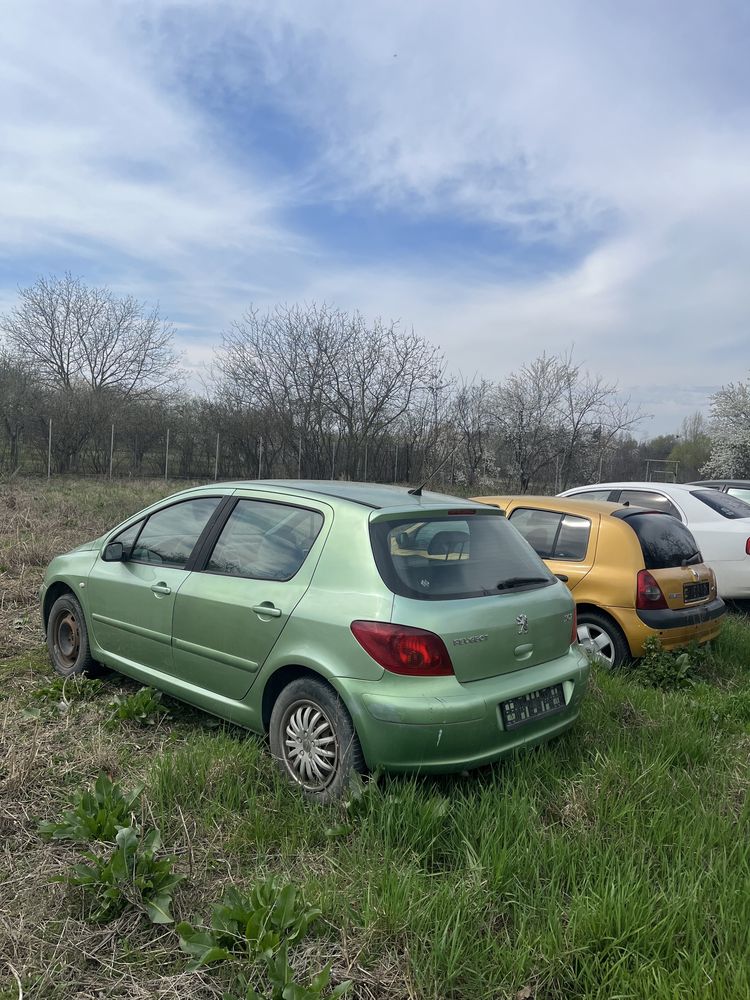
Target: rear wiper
(519, 581)
(696, 557)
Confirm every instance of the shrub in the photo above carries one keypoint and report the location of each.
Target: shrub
(95, 815)
(143, 707)
(668, 670)
(130, 876)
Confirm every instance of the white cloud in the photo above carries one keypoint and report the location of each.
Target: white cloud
(621, 129)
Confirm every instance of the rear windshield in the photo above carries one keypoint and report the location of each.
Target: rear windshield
(665, 541)
(724, 504)
(445, 558)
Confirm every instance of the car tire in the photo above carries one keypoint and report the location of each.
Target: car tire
(603, 639)
(68, 638)
(313, 739)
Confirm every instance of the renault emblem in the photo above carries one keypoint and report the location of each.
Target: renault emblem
(523, 624)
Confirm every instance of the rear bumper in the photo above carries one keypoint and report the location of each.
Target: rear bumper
(674, 629)
(668, 618)
(450, 726)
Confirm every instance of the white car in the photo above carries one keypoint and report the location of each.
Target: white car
(719, 522)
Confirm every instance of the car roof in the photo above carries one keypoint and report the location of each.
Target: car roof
(677, 489)
(561, 505)
(745, 483)
(376, 496)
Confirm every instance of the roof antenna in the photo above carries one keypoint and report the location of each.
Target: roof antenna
(417, 491)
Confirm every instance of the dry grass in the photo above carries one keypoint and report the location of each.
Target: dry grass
(38, 520)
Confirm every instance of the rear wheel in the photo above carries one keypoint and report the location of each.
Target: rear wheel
(313, 739)
(68, 638)
(602, 639)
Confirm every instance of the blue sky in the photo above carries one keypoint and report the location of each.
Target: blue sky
(505, 178)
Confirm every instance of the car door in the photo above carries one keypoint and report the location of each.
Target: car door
(566, 542)
(232, 609)
(132, 601)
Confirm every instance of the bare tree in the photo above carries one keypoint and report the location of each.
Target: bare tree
(73, 334)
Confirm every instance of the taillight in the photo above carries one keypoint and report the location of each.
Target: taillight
(574, 630)
(404, 650)
(649, 595)
(747, 547)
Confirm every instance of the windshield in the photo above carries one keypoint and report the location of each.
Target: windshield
(444, 558)
(665, 541)
(724, 504)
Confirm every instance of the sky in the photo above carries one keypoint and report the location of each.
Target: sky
(505, 178)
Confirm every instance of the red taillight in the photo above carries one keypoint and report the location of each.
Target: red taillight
(649, 596)
(404, 650)
(747, 547)
(574, 630)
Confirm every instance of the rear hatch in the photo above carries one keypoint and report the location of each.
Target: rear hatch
(469, 577)
(671, 555)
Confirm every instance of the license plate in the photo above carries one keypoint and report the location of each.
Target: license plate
(695, 591)
(527, 707)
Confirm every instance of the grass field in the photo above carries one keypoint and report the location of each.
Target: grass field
(612, 863)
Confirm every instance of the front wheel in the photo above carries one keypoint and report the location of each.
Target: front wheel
(68, 638)
(602, 639)
(313, 739)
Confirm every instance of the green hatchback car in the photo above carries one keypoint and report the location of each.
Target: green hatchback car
(359, 626)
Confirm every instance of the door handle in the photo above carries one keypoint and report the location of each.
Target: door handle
(161, 588)
(267, 610)
(562, 576)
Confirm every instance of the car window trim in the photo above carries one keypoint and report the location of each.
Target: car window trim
(188, 565)
(209, 544)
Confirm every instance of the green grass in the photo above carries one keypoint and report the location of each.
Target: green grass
(612, 863)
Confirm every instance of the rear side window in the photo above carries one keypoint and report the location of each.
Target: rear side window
(665, 541)
(651, 500)
(738, 492)
(728, 506)
(169, 535)
(553, 535)
(265, 541)
(446, 558)
(590, 495)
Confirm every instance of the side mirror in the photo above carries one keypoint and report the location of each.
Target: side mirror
(114, 552)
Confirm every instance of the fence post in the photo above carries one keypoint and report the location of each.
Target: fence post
(299, 459)
(216, 460)
(260, 455)
(49, 450)
(111, 449)
(166, 459)
(395, 466)
(364, 477)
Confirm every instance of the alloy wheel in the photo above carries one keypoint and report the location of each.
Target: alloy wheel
(597, 643)
(310, 746)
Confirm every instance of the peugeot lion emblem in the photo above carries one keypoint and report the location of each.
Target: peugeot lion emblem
(523, 624)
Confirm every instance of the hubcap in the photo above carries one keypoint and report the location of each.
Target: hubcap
(597, 643)
(310, 745)
(67, 638)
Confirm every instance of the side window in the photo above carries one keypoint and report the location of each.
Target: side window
(741, 494)
(590, 495)
(128, 536)
(265, 541)
(651, 501)
(169, 535)
(573, 538)
(538, 527)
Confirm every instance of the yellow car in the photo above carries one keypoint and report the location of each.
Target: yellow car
(634, 573)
